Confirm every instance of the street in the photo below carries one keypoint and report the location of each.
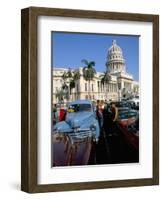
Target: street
(113, 149)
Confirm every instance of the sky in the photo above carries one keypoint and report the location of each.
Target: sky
(68, 49)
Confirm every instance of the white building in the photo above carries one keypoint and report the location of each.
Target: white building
(121, 83)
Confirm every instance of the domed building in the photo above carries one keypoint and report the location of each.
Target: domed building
(116, 66)
(115, 61)
(121, 83)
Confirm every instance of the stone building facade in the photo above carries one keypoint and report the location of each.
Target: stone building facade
(121, 83)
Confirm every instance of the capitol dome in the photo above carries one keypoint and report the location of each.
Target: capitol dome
(115, 61)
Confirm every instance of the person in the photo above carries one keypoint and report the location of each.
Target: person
(62, 114)
(114, 116)
(114, 111)
(99, 113)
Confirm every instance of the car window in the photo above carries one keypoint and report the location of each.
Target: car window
(132, 114)
(79, 108)
(123, 115)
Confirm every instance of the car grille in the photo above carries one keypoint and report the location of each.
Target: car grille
(78, 135)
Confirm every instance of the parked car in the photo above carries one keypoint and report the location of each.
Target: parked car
(128, 123)
(133, 104)
(73, 138)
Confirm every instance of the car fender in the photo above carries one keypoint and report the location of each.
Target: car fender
(62, 127)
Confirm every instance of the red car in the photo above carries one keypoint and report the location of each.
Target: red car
(128, 123)
(69, 152)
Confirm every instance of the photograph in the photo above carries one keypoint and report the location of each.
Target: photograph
(95, 99)
(89, 85)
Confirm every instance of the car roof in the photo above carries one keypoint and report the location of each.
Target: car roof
(80, 102)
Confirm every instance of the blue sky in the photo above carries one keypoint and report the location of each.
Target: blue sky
(69, 49)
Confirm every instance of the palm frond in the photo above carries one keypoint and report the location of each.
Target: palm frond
(85, 61)
(91, 63)
(76, 75)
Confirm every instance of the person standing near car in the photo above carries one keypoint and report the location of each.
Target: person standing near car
(62, 114)
(99, 114)
(114, 113)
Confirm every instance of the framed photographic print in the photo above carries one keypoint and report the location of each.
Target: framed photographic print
(90, 99)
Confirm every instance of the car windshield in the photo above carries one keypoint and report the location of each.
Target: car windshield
(127, 114)
(123, 115)
(79, 108)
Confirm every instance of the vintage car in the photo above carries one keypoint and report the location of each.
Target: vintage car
(128, 123)
(74, 138)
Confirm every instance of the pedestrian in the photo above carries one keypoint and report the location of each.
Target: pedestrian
(99, 114)
(62, 114)
(114, 114)
(114, 111)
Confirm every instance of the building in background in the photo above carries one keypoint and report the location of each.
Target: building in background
(120, 84)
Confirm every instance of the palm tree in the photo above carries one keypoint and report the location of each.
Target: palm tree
(61, 94)
(67, 76)
(72, 85)
(69, 73)
(76, 75)
(64, 76)
(105, 79)
(69, 79)
(88, 72)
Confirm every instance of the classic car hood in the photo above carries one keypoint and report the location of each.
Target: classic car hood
(78, 119)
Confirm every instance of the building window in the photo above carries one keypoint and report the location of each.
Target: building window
(85, 86)
(86, 96)
(92, 87)
(98, 85)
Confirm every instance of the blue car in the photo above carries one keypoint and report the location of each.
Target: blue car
(80, 121)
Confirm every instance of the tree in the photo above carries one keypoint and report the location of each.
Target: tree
(69, 73)
(67, 76)
(105, 79)
(72, 85)
(71, 82)
(69, 79)
(64, 76)
(76, 75)
(88, 72)
(61, 94)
